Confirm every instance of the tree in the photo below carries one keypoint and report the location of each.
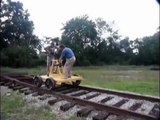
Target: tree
(16, 29)
(92, 42)
(108, 37)
(19, 57)
(80, 34)
(149, 50)
(18, 44)
(127, 50)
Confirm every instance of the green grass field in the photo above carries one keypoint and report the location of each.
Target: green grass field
(139, 79)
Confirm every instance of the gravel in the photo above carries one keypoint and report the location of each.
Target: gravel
(146, 107)
(5, 90)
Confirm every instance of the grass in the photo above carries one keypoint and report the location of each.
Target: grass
(13, 106)
(139, 79)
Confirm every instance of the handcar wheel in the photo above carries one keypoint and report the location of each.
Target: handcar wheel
(50, 83)
(38, 81)
(76, 83)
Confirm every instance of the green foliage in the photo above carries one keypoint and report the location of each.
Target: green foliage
(86, 39)
(148, 50)
(80, 34)
(96, 43)
(18, 44)
(42, 59)
(19, 57)
(16, 28)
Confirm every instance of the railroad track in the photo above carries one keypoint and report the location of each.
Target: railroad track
(102, 104)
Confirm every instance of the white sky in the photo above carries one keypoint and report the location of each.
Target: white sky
(133, 18)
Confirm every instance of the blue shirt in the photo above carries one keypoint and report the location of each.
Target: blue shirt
(67, 53)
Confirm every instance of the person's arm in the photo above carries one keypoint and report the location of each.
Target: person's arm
(47, 50)
(61, 57)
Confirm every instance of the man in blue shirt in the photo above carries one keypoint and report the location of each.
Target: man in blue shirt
(68, 54)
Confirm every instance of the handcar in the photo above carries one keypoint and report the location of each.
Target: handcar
(56, 77)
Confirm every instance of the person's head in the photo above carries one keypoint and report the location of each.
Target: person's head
(52, 45)
(61, 47)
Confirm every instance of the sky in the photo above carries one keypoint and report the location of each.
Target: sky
(133, 18)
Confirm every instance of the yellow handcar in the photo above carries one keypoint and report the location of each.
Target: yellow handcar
(55, 77)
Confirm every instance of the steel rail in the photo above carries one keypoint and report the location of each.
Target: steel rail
(120, 93)
(75, 100)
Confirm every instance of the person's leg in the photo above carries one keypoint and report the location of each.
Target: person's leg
(69, 71)
(66, 67)
(48, 62)
(72, 61)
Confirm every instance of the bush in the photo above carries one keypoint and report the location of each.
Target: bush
(19, 57)
(42, 59)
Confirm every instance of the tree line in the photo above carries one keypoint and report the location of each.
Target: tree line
(95, 42)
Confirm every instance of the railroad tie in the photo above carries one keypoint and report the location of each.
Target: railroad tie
(146, 107)
(84, 112)
(135, 106)
(53, 101)
(155, 110)
(80, 93)
(91, 96)
(18, 87)
(123, 101)
(28, 92)
(106, 99)
(44, 97)
(59, 89)
(35, 94)
(101, 116)
(41, 93)
(23, 90)
(69, 91)
(67, 106)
